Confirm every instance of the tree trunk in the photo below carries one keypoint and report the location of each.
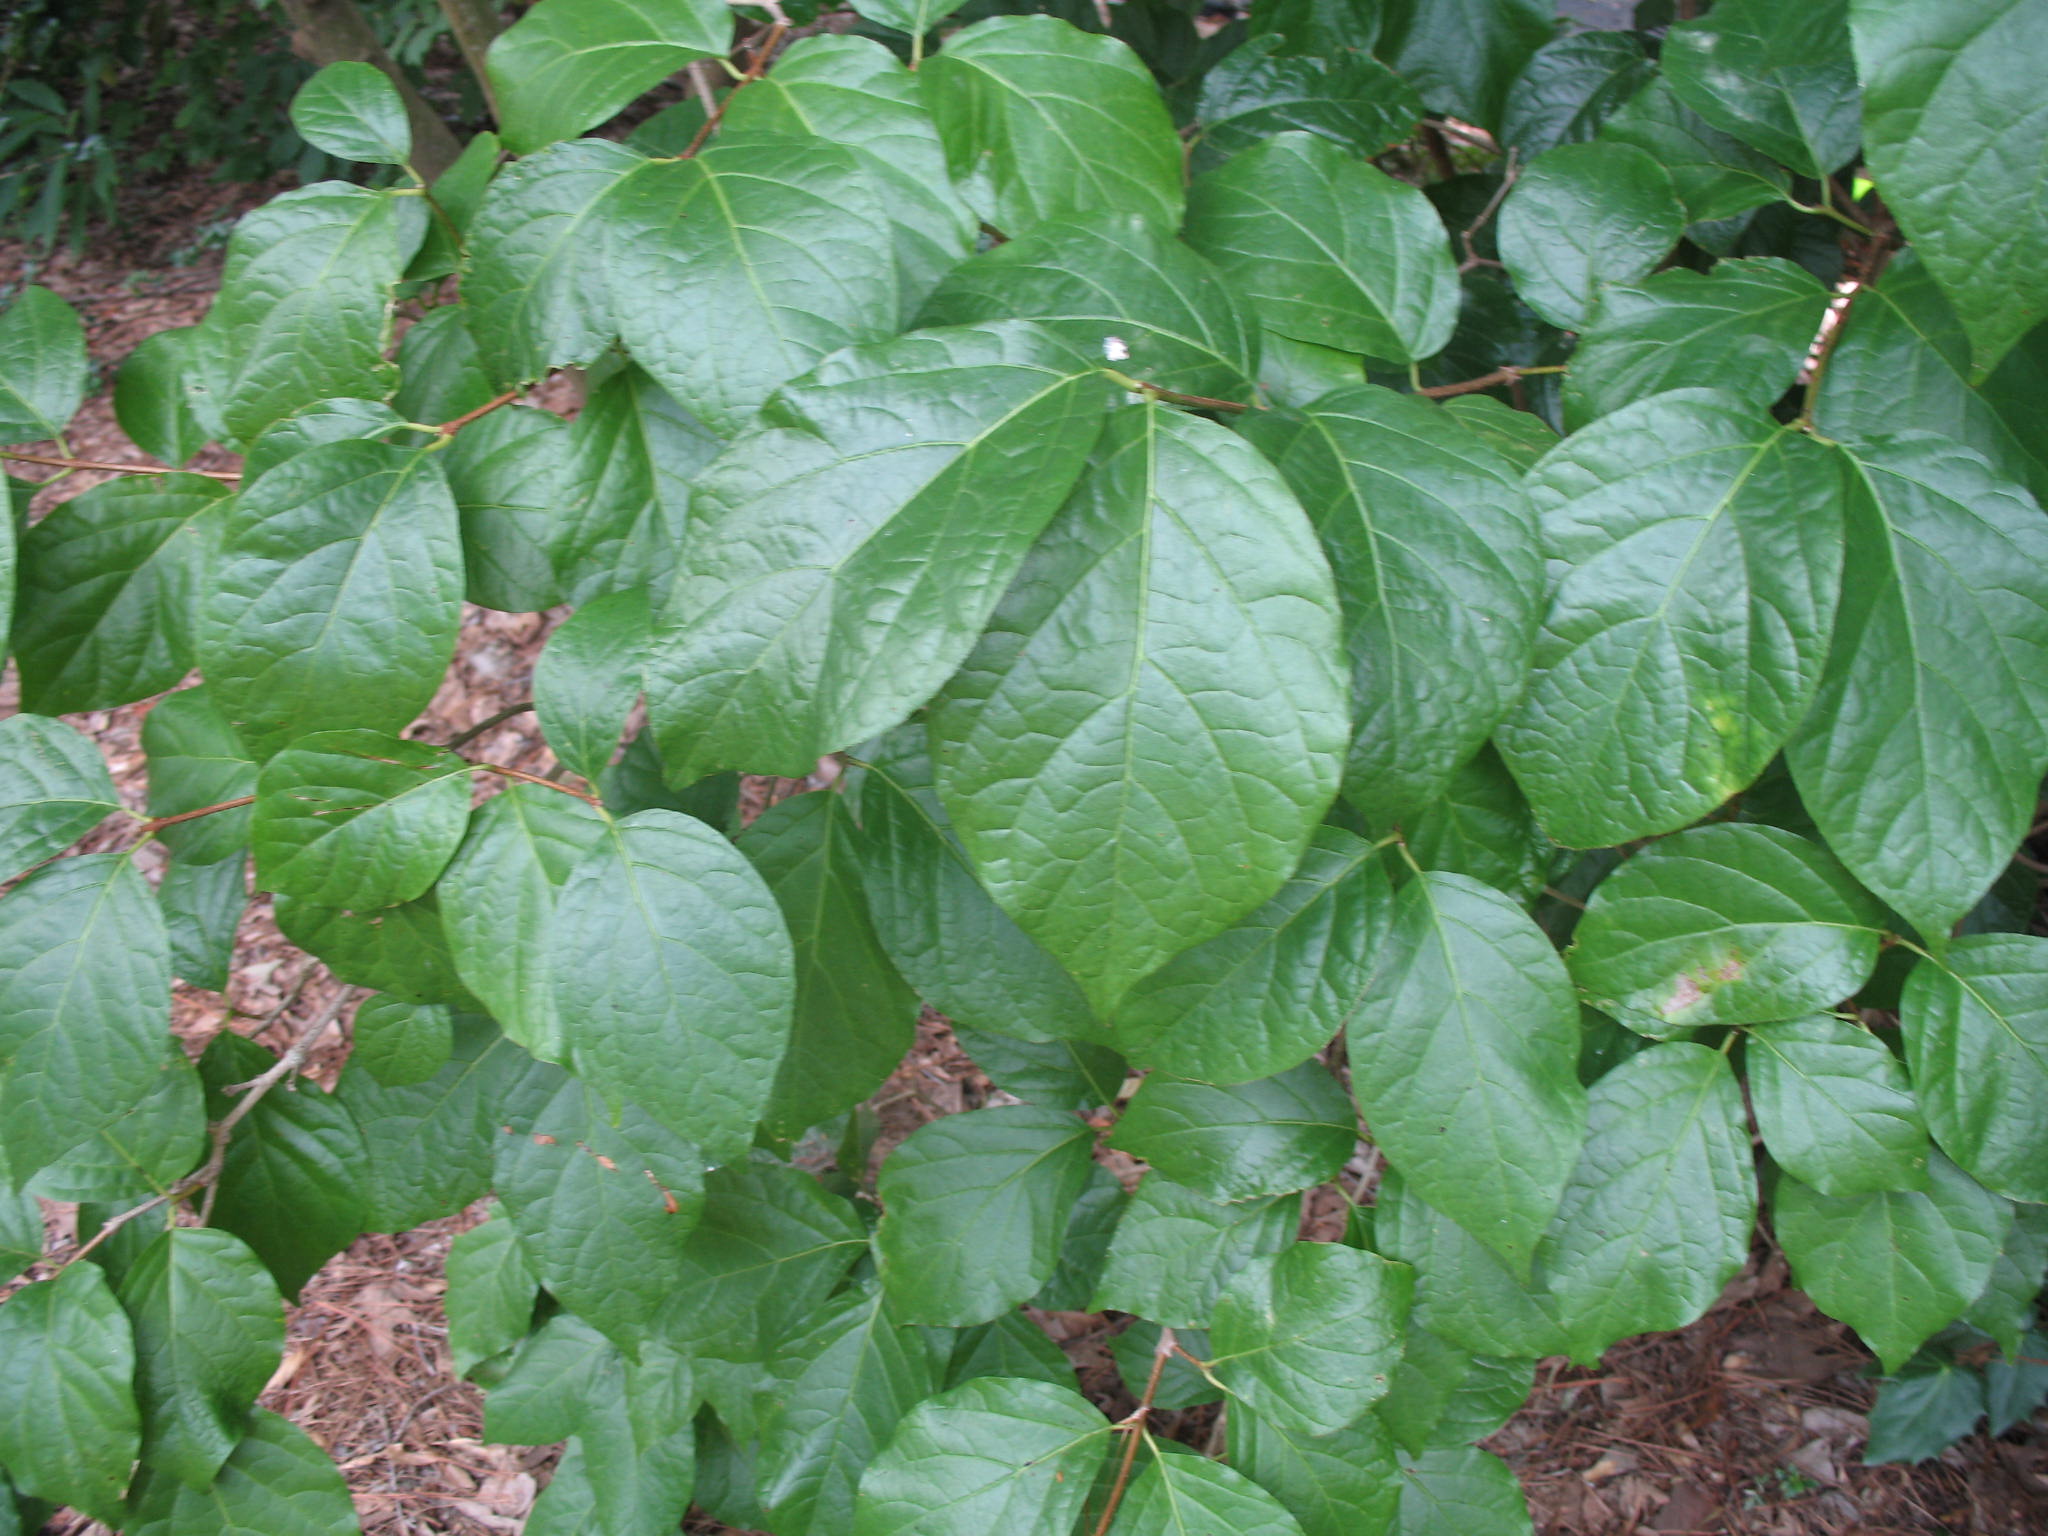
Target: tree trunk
(475, 23)
(332, 32)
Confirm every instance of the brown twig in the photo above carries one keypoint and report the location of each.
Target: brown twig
(1505, 375)
(533, 778)
(450, 428)
(1133, 1427)
(755, 68)
(1507, 182)
(1200, 402)
(56, 462)
(158, 823)
(464, 738)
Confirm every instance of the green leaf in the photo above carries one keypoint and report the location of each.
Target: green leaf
(548, 1392)
(1444, 1396)
(1463, 54)
(903, 484)
(358, 818)
(1922, 753)
(1777, 77)
(567, 65)
(850, 1379)
(588, 678)
(277, 1481)
(1747, 325)
(2014, 1389)
(1064, 1074)
(749, 263)
(209, 1331)
(150, 401)
(157, 1142)
(1310, 1340)
(43, 366)
(1270, 1137)
(498, 898)
(109, 583)
(323, 421)
(1570, 87)
(1482, 826)
(509, 473)
(535, 299)
(398, 1043)
(2012, 389)
(1335, 1485)
(855, 1017)
(632, 1467)
(2004, 1309)
(1976, 1033)
(1725, 924)
(1043, 121)
(1439, 572)
(203, 906)
(916, 17)
(1461, 1491)
(974, 1209)
(54, 788)
(1584, 216)
(1113, 287)
(602, 1210)
(491, 1293)
(1259, 90)
(354, 112)
(963, 953)
(1185, 1494)
(1835, 1108)
(1922, 1411)
(21, 1233)
(441, 375)
(996, 1453)
(196, 760)
(85, 996)
(1700, 549)
(456, 193)
(1464, 1052)
(1092, 1221)
(674, 977)
(1329, 249)
(69, 1426)
(1271, 991)
(402, 950)
(1012, 1345)
(1895, 1265)
(1657, 1216)
(1175, 1249)
(292, 1187)
(301, 311)
(771, 1244)
(1180, 1384)
(337, 595)
(1099, 656)
(1717, 176)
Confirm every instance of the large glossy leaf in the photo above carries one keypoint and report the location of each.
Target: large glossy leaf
(1463, 1292)
(110, 583)
(491, 1292)
(400, 1044)
(1584, 216)
(1043, 121)
(1657, 1216)
(1175, 1249)
(1570, 87)
(85, 996)
(546, 1392)
(21, 1232)
(850, 1379)
(854, 1017)
(509, 473)
(997, 1453)
(1463, 54)
(1923, 751)
(567, 65)
(974, 1209)
(1747, 326)
(358, 818)
(602, 1209)
(308, 426)
(1699, 547)
(1461, 1491)
(1117, 288)
(1835, 1108)
(278, 1481)
(1778, 77)
(1270, 991)
(673, 977)
(353, 110)
(844, 555)
(1894, 1265)
(1138, 749)
(631, 1466)
(301, 311)
(1717, 176)
(69, 1426)
(157, 1142)
(1725, 924)
(1310, 1340)
(1439, 572)
(402, 950)
(1329, 249)
(209, 1331)
(588, 679)
(1976, 1031)
(1269, 1137)
(1482, 826)
(1261, 89)
(54, 787)
(196, 760)
(149, 397)
(1182, 1493)
(1464, 1052)
(748, 264)
(963, 953)
(1445, 1396)
(1335, 1485)
(337, 595)
(43, 367)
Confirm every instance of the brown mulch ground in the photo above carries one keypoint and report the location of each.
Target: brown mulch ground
(1750, 1422)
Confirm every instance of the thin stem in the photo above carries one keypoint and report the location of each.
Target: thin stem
(126, 469)
(1507, 182)
(450, 428)
(157, 823)
(1133, 1428)
(755, 68)
(533, 778)
(1838, 312)
(1201, 402)
(464, 738)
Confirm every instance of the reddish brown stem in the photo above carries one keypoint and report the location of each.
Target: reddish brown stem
(125, 469)
(1133, 1428)
(450, 428)
(533, 778)
(755, 67)
(156, 823)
